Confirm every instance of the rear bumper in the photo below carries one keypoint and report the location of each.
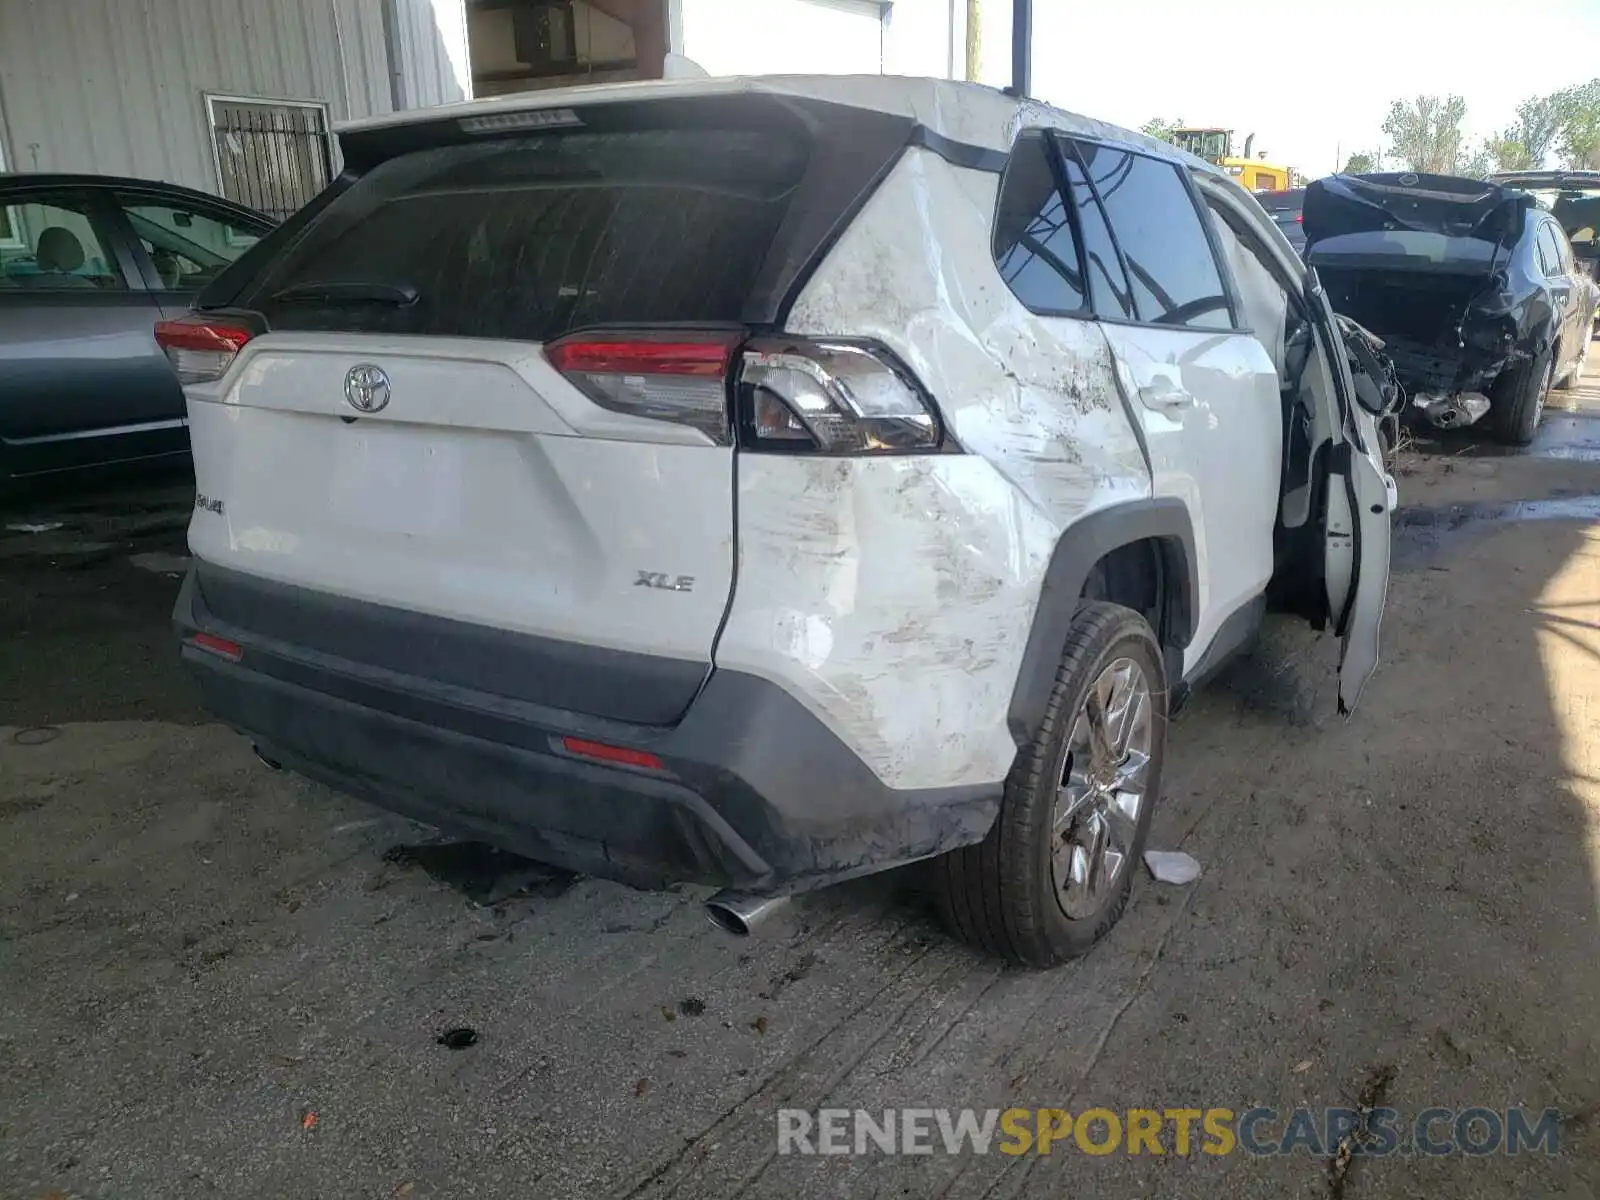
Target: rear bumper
(755, 791)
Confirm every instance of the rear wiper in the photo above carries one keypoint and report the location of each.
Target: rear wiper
(349, 292)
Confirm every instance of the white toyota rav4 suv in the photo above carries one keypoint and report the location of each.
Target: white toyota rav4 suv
(764, 482)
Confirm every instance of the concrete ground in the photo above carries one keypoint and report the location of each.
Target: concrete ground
(218, 981)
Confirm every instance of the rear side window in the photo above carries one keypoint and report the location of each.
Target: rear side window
(529, 238)
(1108, 285)
(1544, 251)
(1550, 250)
(1034, 246)
(1171, 268)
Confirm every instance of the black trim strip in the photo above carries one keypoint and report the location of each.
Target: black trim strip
(960, 154)
(756, 790)
(1163, 520)
(615, 685)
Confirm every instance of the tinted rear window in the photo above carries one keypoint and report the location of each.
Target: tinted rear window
(529, 238)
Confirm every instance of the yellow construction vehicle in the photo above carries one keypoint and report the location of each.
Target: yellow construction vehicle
(1216, 146)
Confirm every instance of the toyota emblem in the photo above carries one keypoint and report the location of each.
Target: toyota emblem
(367, 388)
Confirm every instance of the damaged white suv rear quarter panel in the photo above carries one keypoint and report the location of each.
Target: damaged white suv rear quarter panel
(895, 595)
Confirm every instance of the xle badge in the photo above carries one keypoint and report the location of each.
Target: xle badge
(662, 582)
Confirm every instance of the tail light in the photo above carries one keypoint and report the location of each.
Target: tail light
(619, 755)
(817, 397)
(682, 378)
(199, 349)
(792, 395)
(221, 647)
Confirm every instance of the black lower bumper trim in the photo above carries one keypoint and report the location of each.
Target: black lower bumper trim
(756, 792)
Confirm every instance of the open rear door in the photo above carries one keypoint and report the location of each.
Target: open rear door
(1360, 497)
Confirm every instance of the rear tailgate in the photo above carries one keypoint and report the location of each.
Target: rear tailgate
(488, 491)
(487, 488)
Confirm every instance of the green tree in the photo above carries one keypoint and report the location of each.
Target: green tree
(1536, 128)
(1579, 141)
(1527, 141)
(1360, 163)
(1480, 164)
(1507, 152)
(1161, 130)
(1425, 133)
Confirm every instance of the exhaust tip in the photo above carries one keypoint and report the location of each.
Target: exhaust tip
(740, 915)
(727, 920)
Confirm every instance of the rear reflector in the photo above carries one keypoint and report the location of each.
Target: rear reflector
(221, 647)
(619, 755)
(201, 350)
(681, 378)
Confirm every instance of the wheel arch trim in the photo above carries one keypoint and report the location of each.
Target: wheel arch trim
(1165, 521)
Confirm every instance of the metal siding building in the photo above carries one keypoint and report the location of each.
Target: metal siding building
(121, 86)
(238, 97)
(429, 44)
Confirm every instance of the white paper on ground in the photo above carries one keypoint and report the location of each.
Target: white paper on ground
(1172, 866)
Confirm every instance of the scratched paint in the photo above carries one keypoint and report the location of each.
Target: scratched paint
(894, 596)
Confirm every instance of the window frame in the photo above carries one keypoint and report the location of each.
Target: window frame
(13, 222)
(1230, 287)
(1058, 153)
(1541, 253)
(104, 220)
(1566, 260)
(330, 148)
(14, 226)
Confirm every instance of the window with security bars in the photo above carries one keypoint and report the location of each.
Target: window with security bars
(272, 155)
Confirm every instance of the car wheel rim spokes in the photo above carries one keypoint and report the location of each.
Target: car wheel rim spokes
(1101, 789)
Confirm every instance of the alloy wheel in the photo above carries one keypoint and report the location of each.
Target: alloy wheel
(1103, 783)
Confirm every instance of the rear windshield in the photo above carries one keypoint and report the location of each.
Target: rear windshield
(528, 238)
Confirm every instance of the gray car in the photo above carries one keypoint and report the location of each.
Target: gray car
(88, 265)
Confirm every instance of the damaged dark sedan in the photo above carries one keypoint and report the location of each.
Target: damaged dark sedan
(1472, 287)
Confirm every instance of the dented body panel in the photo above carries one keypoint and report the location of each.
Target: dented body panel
(898, 595)
(660, 650)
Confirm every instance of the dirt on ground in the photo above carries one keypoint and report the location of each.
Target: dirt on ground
(220, 981)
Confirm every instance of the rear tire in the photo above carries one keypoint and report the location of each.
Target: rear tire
(1029, 892)
(1517, 401)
